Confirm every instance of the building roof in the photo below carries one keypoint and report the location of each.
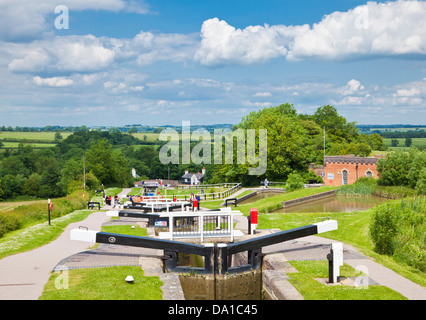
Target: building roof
(350, 159)
(189, 175)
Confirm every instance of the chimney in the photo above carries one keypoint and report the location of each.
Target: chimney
(204, 170)
(186, 171)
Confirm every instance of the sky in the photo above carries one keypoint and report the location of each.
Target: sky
(161, 62)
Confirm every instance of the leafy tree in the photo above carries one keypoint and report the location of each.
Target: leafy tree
(50, 186)
(31, 186)
(13, 166)
(133, 130)
(286, 145)
(12, 185)
(99, 160)
(408, 142)
(417, 164)
(72, 170)
(58, 136)
(402, 168)
(294, 182)
(335, 125)
(109, 166)
(1, 193)
(375, 141)
(393, 169)
(394, 142)
(420, 185)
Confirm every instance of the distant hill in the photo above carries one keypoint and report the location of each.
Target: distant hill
(387, 128)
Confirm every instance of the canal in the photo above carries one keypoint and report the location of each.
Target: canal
(337, 203)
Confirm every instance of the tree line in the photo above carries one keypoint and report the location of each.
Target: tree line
(296, 140)
(293, 142)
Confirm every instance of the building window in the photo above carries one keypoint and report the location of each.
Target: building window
(345, 176)
(368, 174)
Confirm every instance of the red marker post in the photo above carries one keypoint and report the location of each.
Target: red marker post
(253, 220)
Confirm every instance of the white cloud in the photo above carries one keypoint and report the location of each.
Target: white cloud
(262, 94)
(391, 29)
(23, 20)
(407, 92)
(222, 43)
(353, 87)
(63, 54)
(53, 82)
(375, 29)
(150, 48)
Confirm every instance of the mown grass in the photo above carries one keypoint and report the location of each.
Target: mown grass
(268, 204)
(275, 202)
(104, 284)
(126, 229)
(311, 289)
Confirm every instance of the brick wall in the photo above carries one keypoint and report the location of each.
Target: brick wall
(355, 167)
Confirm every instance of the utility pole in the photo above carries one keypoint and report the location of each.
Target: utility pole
(84, 172)
(324, 143)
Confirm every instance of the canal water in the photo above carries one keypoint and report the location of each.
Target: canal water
(337, 203)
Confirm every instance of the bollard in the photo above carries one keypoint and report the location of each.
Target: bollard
(253, 220)
(249, 224)
(335, 261)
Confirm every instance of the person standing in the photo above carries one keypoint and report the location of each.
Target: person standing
(198, 201)
(191, 200)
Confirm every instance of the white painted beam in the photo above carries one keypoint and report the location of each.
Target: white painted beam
(328, 225)
(83, 235)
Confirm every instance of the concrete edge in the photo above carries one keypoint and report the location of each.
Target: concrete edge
(310, 198)
(275, 280)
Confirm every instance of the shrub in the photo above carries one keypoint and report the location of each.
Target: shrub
(363, 186)
(401, 168)
(399, 230)
(421, 183)
(294, 182)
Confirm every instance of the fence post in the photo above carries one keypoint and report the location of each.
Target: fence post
(231, 227)
(201, 227)
(171, 226)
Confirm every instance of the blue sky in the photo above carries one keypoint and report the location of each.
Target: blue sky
(163, 62)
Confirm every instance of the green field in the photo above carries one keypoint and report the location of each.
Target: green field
(14, 145)
(151, 137)
(416, 142)
(40, 136)
(38, 140)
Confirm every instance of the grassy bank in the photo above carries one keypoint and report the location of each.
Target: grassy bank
(273, 203)
(105, 284)
(38, 235)
(307, 283)
(353, 229)
(31, 213)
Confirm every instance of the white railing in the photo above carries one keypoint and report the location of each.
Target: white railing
(200, 224)
(161, 203)
(234, 187)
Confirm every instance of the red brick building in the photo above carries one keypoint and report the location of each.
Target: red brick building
(346, 169)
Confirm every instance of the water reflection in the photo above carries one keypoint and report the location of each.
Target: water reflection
(336, 204)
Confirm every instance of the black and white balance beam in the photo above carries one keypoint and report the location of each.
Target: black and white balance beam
(250, 244)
